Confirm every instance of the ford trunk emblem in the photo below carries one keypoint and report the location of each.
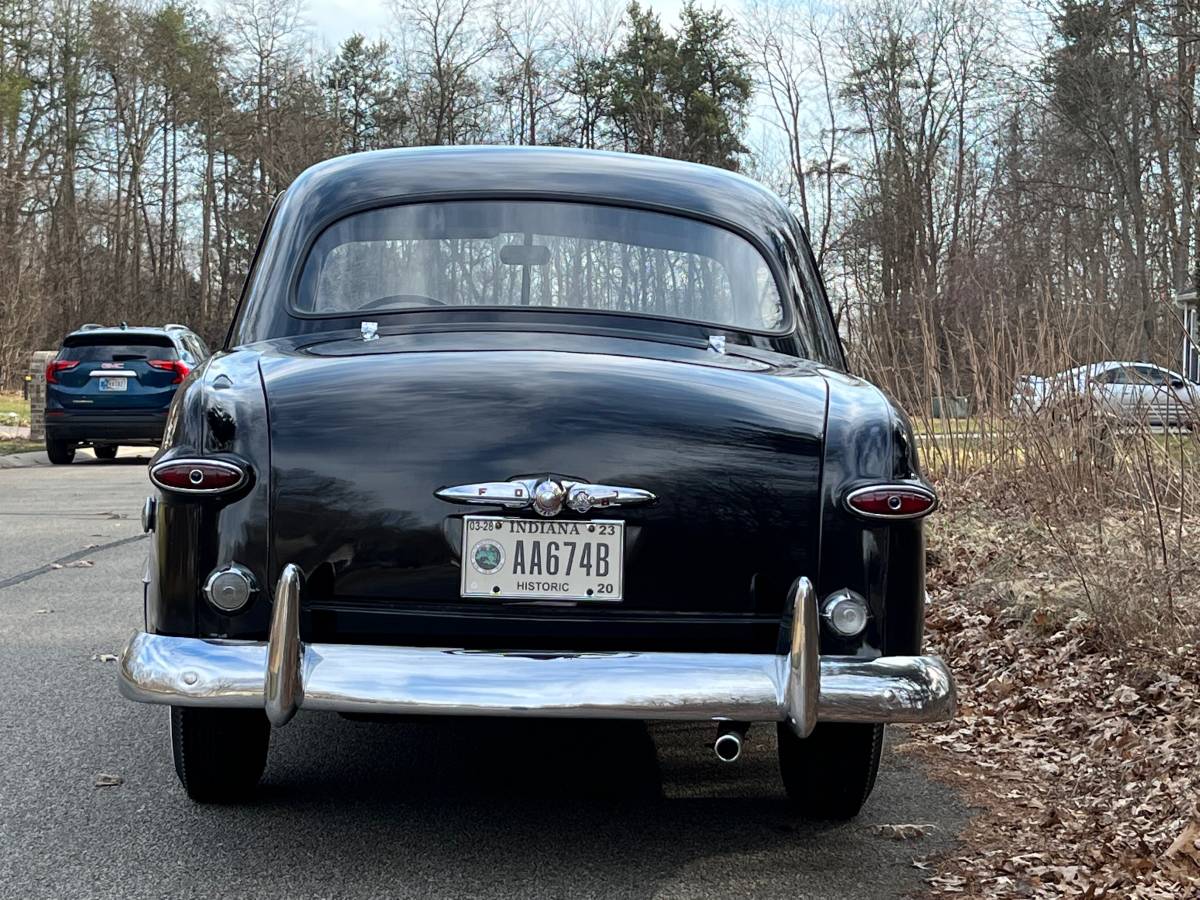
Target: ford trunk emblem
(546, 495)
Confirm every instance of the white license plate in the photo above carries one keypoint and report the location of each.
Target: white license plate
(530, 560)
(114, 384)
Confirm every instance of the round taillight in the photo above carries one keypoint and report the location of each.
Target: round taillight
(892, 501)
(198, 476)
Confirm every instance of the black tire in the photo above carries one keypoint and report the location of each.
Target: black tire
(61, 453)
(105, 451)
(219, 754)
(829, 774)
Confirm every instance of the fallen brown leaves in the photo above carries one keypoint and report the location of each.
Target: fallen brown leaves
(1081, 754)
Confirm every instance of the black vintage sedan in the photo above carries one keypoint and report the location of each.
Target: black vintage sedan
(533, 432)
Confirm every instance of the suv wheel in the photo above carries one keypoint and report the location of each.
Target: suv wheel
(219, 754)
(60, 452)
(830, 773)
(105, 451)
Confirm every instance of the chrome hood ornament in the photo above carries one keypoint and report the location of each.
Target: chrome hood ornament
(547, 495)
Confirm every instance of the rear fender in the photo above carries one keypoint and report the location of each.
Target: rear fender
(220, 411)
(869, 440)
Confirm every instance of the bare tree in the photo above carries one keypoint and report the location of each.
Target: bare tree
(788, 43)
(443, 44)
(589, 33)
(528, 83)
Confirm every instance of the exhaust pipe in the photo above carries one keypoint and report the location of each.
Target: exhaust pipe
(728, 745)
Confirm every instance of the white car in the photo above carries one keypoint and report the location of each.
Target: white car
(1125, 390)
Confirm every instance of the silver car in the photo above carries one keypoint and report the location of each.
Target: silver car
(1125, 390)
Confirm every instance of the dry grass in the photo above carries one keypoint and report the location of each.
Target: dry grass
(1105, 511)
(1134, 578)
(1088, 514)
(1064, 573)
(9, 446)
(14, 409)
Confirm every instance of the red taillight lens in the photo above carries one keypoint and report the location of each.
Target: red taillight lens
(198, 476)
(58, 365)
(178, 366)
(892, 501)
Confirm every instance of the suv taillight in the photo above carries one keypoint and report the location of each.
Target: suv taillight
(58, 365)
(179, 367)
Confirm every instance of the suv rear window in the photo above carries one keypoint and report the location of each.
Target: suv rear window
(106, 348)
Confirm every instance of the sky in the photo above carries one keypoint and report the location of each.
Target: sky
(332, 21)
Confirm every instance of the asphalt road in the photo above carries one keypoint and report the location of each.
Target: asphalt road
(485, 808)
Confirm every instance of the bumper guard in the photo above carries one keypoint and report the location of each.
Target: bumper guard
(283, 674)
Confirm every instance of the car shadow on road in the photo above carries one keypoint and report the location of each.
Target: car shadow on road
(141, 459)
(472, 760)
(631, 810)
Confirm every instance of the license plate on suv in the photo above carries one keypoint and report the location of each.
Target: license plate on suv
(530, 560)
(114, 384)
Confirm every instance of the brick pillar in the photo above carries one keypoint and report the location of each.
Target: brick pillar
(37, 393)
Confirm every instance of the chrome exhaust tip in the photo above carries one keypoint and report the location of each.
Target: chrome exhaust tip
(728, 746)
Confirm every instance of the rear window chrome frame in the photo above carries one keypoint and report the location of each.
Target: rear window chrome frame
(786, 327)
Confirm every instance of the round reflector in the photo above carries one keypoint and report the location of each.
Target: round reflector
(846, 613)
(229, 588)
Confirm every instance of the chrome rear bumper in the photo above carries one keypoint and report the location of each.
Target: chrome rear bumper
(282, 675)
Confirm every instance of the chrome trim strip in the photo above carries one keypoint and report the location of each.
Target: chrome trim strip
(112, 373)
(891, 486)
(520, 493)
(511, 494)
(282, 688)
(283, 675)
(582, 497)
(197, 461)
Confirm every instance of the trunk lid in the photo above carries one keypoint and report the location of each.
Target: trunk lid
(364, 433)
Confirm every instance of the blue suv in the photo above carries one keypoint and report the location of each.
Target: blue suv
(113, 386)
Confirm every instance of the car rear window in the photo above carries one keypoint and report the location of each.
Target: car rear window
(519, 253)
(106, 348)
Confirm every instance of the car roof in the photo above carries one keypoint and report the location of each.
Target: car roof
(116, 332)
(1092, 369)
(345, 184)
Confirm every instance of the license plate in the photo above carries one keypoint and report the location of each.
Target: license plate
(114, 384)
(529, 560)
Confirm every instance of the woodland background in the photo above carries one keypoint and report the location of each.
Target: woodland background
(1012, 182)
(992, 188)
